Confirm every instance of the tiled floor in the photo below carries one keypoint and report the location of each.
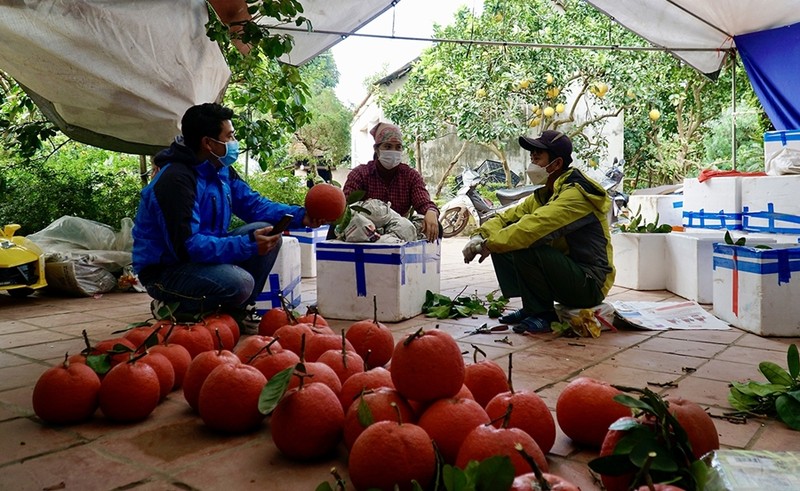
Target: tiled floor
(172, 450)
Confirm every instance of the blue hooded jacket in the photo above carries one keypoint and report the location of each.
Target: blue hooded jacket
(185, 212)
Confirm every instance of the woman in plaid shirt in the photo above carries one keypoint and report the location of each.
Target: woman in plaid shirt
(387, 179)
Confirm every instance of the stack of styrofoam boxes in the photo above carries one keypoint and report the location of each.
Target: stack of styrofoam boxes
(309, 238)
(689, 257)
(667, 208)
(638, 259)
(757, 289)
(714, 204)
(770, 207)
(284, 278)
(398, 275)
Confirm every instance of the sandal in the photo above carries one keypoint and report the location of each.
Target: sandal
(536, 324)
(514, 317)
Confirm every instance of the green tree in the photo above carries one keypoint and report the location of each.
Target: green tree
(491, 93)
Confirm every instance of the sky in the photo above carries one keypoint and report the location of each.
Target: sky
(358, 58)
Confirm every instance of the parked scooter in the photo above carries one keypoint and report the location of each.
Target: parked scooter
(468, 202)
(455, 214)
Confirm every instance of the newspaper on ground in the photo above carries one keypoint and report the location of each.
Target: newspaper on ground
(660, 316)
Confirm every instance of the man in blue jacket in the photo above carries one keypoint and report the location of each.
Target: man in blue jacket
(183, 251)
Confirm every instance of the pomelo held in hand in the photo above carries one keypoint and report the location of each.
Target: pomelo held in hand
(325, 202)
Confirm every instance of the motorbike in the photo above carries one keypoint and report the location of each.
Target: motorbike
(468, 203)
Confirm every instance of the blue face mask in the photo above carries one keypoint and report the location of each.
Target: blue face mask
(231, 153)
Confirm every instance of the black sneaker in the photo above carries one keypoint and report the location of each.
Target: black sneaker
(514, 317)
(250, 321)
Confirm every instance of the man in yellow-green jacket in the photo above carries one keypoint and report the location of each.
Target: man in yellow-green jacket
(555, 246)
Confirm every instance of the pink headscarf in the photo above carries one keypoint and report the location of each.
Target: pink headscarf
(385, 132)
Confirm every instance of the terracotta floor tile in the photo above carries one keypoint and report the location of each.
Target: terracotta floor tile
(62, 319)
(752, 356)
(706, 336)
(35, 336)
(74, 468)
(727, 371)
(623, 338)
(638, 357)
(9, 326)
(10, 359)
(682, 347)
(776, 344)
(702, 391)
(51, 352)
(777, 436)
(24, 438)
(20, 375)
(614, 373)
(18, 400)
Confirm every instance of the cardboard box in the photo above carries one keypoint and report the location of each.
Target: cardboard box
(770, 204)
(350, 274)
(309, 238)
(639, 260)
(284, 278)
(668, 208)
(689, 262)
(757, 289)
(715, 203)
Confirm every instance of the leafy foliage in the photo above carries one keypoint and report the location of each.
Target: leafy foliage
(741, 241)
(639, 225)
(778, 397)
(443, 307)
(78, 180)
(655, 445)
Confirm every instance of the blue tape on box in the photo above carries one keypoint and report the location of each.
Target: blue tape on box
(772, 217)
(272, 297)
(359, 255)
(316, 236)
(718, 220)
(782, 262)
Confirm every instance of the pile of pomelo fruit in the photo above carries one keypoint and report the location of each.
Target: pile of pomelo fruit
(426, 411)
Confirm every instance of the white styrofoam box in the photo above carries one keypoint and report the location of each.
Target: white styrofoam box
(715, 203)
(668, 208)
(770, 204)
(309, 238)
(757, 289)
(778, 238)
(283, 279)
(349, 274)
(689, 258)
(639, 260)
(774, 141)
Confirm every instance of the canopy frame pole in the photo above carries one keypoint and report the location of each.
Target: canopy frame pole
(733, 110)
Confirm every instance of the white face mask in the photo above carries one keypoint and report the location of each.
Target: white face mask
(537, 174)
(390, 158)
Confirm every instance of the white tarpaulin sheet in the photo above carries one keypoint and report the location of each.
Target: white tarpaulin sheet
(120, 74)
(114, 74)
(678, 25)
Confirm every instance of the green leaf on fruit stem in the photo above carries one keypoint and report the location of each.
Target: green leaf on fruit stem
(788, 409)
(101, 364)
(775, 374)
(624, 424)
(272, 393)
(634, 403)
(793, 361)
(325, 486)
(364, 413)
(496, 472)
(633, 438)
(612, 465)
(663, 460)
(454, 478)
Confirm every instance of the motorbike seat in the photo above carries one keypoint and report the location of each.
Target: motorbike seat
(509, 195)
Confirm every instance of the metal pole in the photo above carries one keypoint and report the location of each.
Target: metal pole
(733, 109)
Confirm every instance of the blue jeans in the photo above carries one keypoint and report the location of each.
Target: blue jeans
(201, 288)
